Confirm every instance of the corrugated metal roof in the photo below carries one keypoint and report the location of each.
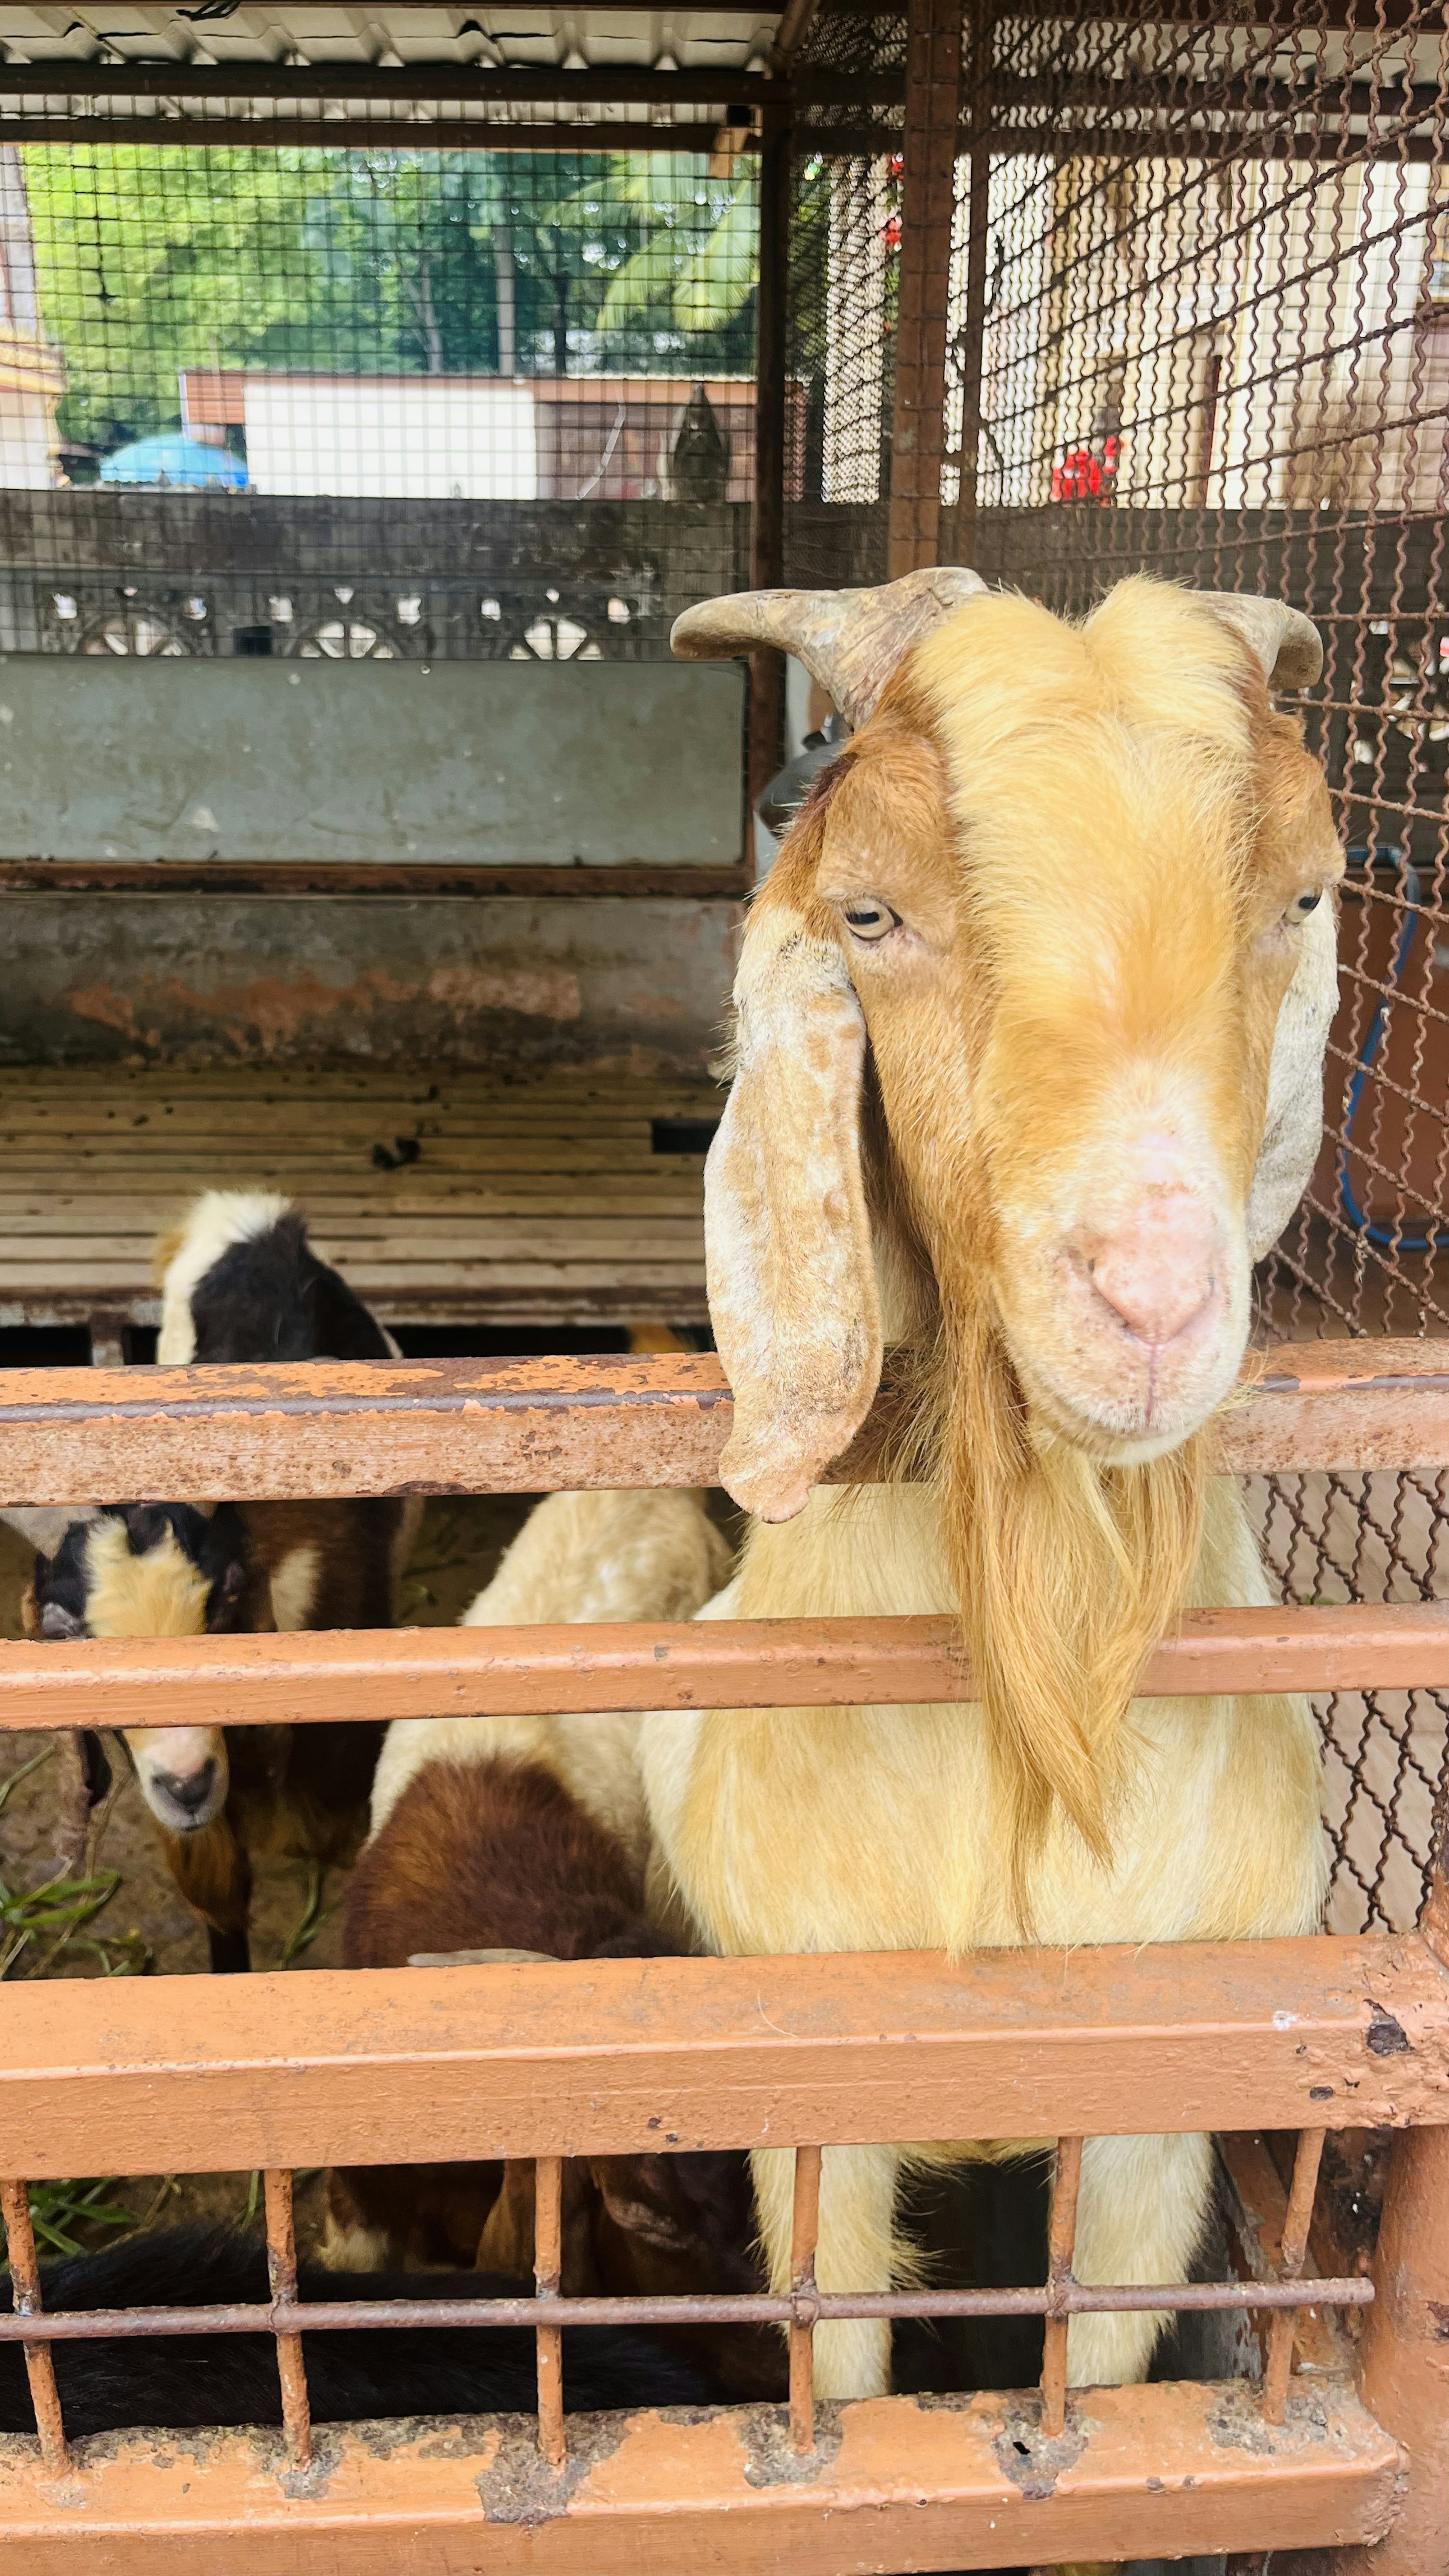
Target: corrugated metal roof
(393, 32)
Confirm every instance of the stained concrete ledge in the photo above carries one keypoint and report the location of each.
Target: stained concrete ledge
(495, 981)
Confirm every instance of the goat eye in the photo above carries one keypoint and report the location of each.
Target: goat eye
(1302, 904)
(868, 920)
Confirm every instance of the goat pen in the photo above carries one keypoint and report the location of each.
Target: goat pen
(1061, 292)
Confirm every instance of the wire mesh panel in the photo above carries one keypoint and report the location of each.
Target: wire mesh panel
(365, 400)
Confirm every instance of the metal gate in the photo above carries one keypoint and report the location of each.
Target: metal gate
(813, 2053)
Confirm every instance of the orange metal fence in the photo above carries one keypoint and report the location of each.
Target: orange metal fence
(1349, 2451)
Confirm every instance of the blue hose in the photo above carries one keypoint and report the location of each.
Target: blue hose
(1387, 1236)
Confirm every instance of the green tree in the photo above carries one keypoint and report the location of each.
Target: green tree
(155, 258)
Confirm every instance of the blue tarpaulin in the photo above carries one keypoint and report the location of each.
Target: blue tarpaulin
(177, 460)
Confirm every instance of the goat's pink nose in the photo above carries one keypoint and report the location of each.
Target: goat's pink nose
(1156, 1270)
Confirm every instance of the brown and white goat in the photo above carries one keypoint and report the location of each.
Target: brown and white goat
(527, 1838)
(1031, 1016)
(240, 1282)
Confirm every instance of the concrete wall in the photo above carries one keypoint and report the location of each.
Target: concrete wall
(503, 982)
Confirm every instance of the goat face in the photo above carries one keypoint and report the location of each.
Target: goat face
(1031, 1016)
(1071, 887)
(152, 1570)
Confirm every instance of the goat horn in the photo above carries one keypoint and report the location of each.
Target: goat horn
(1286, 642)
(851, 641)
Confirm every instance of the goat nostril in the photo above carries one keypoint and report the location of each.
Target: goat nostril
(190, 1793)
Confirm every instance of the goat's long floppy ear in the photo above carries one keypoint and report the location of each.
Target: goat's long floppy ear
(1286, 642)
(792, 1289)
(849, 640)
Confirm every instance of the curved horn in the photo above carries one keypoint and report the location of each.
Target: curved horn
(1286, 642)
(851, 641)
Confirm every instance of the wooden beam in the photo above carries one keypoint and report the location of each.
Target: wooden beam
(339, 1675)
(610, 84)
(933, 2483)
(931, 137)
(538, 1426)
(630, 880)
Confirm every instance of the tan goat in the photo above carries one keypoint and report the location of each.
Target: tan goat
(1031, 1016)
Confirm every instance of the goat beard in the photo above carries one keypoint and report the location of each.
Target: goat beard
(1068, 1572)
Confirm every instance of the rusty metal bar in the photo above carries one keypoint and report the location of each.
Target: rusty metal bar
(39, 2366)
(767, 535)
(1307, 2159)
(1402, 2374)
(291, 2317)
(444, 134)
(982, 22)
(918, 433)
(1061, 2246)
(804, 2298)
(282, 2282)
(579, 2058)
(547, 2274)
(342, 1675)
(334, 1428)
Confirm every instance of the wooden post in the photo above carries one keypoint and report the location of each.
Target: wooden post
(767, 550)
(1403, 2369)
(933, 111)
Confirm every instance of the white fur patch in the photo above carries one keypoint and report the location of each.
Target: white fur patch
(215, 1221)
(1293, 1124)
(293, 1588)
(44, 1529)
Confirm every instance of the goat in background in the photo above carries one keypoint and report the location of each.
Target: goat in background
(1031, 1017)
(240, 1282)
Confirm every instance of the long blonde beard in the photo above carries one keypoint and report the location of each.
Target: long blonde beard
(1068, 1573)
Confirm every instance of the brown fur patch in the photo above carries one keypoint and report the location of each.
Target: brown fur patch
(488, 1856)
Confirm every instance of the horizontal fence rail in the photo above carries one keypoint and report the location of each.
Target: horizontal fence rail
(622, 2057)
(537, 1426)
(344, 1674)
(928, 2484)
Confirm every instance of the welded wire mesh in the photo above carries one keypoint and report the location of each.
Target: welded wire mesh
(844, 282)
(363, 399)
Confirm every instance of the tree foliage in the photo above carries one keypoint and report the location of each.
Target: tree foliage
(156, 258)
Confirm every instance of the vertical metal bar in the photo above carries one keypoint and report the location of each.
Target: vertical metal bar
(767, 538)
(928, 208)
(1061, 2247)
(548, 2280)
(1402, 2374)
(1278, 2368)
(804, 2232)
(978, 241)
(282, 2280)
(39, 2365)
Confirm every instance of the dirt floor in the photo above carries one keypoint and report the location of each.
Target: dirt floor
(144, 1926)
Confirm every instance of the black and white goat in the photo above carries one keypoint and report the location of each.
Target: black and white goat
(240, 1282)
(182, 2380)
